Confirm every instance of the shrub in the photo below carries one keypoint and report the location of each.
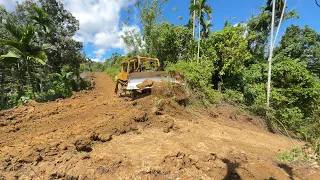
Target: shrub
(295, 97)
(198, 77)
(255, 98)
(232, 96)
(296, 154)
(112, 71)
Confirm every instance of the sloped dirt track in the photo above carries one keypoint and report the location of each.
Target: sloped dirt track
(94, 135)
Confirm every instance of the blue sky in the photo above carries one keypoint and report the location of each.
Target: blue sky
(100, 20)
(241, 10)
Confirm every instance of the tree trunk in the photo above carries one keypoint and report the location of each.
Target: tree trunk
(2, 89)
(30, 84)
(220, 84)
(41, 86)
(199, 42)
(39, 39)
(271, 53)
(194, 20)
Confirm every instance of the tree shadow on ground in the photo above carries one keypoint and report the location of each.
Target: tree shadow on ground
(232, 172)
(287, 168)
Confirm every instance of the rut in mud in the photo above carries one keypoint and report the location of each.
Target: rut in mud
(94, 135)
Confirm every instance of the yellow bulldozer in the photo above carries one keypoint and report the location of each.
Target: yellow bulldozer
(139, 70)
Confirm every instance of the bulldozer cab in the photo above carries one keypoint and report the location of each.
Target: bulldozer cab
(138, 64)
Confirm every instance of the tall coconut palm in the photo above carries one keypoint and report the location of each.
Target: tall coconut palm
(203, 9)
(193, 13)
(192, 19)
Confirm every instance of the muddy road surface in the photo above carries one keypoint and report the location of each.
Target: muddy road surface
(94, 135)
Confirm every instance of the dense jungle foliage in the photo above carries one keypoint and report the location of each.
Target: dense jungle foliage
(236, 60)
(39, 59)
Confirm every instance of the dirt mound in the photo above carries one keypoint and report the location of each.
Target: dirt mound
(179, 76)
(174, 91)
(144, 113)
(94, 135)
(145, 83)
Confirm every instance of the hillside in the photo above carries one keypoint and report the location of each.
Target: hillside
(94, 135)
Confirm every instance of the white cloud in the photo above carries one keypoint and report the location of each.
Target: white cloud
(99, 53)
(133, 30)
(99, 22)
(96, 60)
(10, 4)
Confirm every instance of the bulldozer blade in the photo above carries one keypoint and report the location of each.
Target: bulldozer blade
(135, 79)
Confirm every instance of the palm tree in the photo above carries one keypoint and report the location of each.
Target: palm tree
(193, 2)
(23, 47)
(41, 18)
(203, 9)
(192, 19)
(206, 29)
(44, 25)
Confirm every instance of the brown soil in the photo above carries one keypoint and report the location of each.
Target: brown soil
(145, 83)
(94, 135)
(175, 91)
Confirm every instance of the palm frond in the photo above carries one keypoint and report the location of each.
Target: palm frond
(40, 57)
(49, 47)
(208, 10)
(15, 31)
(42, 18)
(29, 33)
(12, 43)
(207, 24)
(194, 7)
(39, 60)
(11, 54)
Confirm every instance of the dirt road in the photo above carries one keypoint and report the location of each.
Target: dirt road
(94, 135)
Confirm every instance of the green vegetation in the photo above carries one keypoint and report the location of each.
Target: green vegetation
(296, 154)
(234, 62)
(31, 49)
(113, 64)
